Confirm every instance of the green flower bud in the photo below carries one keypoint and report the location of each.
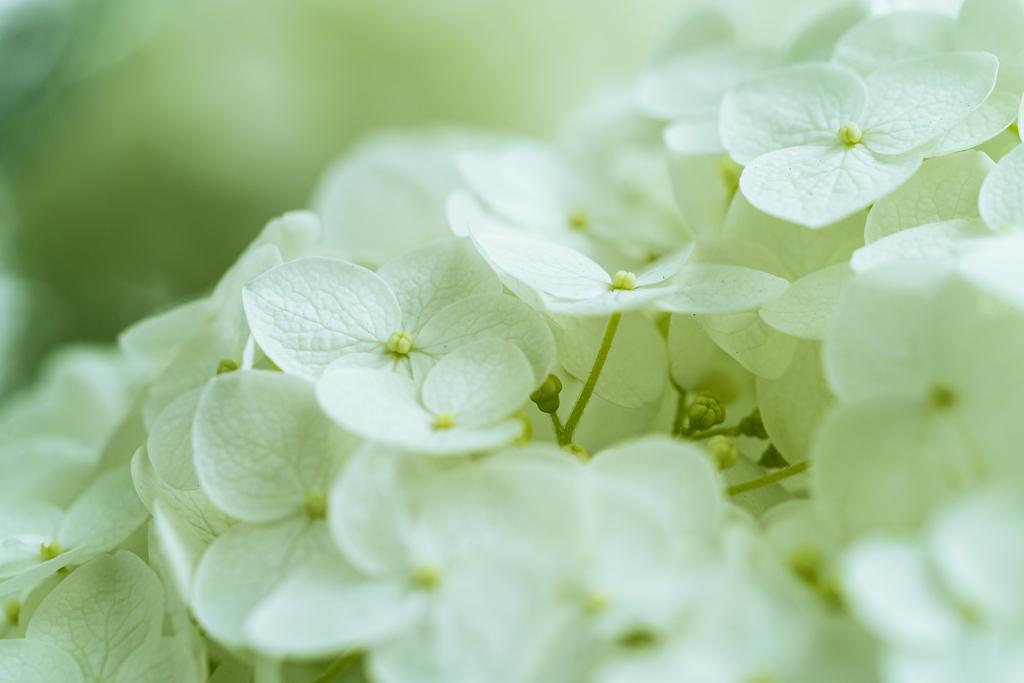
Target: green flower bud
(50, 551)
(624, 280)
(546, 397)
(772, 459)
(444, 421)
(850, 134)
(752, 426)
(399, 343)
(705, 412)
(724, 451)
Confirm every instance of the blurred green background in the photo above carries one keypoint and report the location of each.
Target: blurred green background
(144, 142)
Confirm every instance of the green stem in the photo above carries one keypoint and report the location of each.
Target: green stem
(595, 374)
(556, 422)
(334, 670)
(721, 431)
(677, 424)
(768, 479)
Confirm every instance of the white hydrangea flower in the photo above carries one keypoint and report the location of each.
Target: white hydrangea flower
(266, 455)
(103, 624)
(38, 539)
(465, 403)
(569, 283)
(947, 605)
(820, 143)
(421, 305)
(925, 372)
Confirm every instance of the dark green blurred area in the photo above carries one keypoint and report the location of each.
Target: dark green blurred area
(145, 143)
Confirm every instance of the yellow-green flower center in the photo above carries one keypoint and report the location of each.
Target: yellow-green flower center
(850, 134)
(624, 280)
(400, 343)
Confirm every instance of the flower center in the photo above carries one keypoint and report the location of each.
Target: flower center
(941, 397)
(315, 505)
(444, 421)
(850, 134)
(426, 577)
(579, 220)
(50, 551)
(400, 343)
(624, 280)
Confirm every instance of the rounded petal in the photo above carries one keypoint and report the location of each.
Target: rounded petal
(26, 661)
(755, 345)
(1001, 200)
(805, 308)
(931, 243)
(105, 515)
(479, 383)
(165, 660)
(307, 313)
(262, 444)
(720, 288)
(995, 26)
(553, 269)
(491, 316)
(893, 38)
(118, 592)
(817, 186)
(427, 279)
(987, 121)
(170, 442)
(805, 104)
(917, 100)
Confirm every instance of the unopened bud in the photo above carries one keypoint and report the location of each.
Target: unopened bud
(850, 134)
(771, 458)
(226, 365)
(444, 421)
(50, 551)
(546, 397)
(400, 343)
(724, 451)
(705, 412)
(752, 426)
(624, 280)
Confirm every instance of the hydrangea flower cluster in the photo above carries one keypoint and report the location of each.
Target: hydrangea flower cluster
(722, 385)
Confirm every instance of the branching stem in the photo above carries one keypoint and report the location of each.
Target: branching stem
(769, 479)
(556, 422)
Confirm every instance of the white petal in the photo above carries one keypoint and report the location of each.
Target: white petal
(170, 442)
(893, 590)
(720, 288)
(665, 267)
(816, 186)
(293, 233)
(893, 38)
(995, 267)
(479, 383)
(943, 189)
(757, 346)
(805, 104)
(987, 121)
(101, 613)
(885, 464)
(674, 476)
(1001, 200)
(166, 660)
(427, 279)
(805, 308)
(307, 313)
(230, 323)
(610, 301)
(26, 661)
(379, 406)
(932, 242)
(323, 612)
(246, 564)
(106, 514)
(553, 269)
(917, 100)
(262, 444)
(703, 187)
(157, 339)
(995, 26)
(819, 33)
(634, 372)
(695, 134)
(793, 405)
(485, 316)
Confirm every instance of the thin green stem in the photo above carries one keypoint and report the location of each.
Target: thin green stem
(334, 670)
(677, 424)
(721, 431)
(556, 423)
(768, 479)
(595, 374)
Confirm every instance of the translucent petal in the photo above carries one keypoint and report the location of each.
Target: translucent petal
(703, 187)
(720, 288)
(634, 372)
(805, 104)
(894, 37)
(307, 313)
(817, 186)
(943, 189)
(104, 516)
(479, 383)
(932, 242)
(26, 661)
(165, 660)
(550, 268)
(246, 564)
(695, 134)
(994, 266)
(919, 99)
(170, 442)
(805, 308)
(427, 279)
(262, 444)
(995, 26)
(101, 613)
(485, 316)
(230, 324)
(756, 345)
(293, 233)
(987, 121)
(1001, 200)
(157, 339)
